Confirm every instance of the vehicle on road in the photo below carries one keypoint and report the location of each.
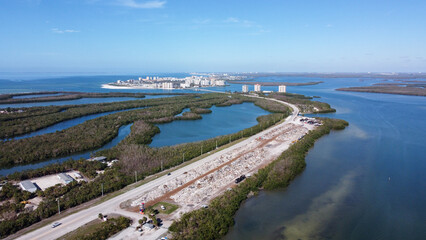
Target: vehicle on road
(56, 224)
(241, 178)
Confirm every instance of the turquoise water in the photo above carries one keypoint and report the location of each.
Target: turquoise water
(222, 121)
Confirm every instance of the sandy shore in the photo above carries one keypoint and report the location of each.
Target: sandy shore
(107, 86)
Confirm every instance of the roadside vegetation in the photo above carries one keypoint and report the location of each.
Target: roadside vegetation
(98, 230)
(304, 103)
(215, 221)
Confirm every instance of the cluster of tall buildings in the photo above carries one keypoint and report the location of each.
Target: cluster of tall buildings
(257, 88)
(172, 82)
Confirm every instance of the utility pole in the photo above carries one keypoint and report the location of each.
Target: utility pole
(102, 186)
(201, 149)
(161, 165)
(59, 207)
(183, 157)
(216, 144)
(136, 176)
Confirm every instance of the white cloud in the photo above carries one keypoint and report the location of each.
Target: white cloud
(148, 4)
(202, 21)
(232, 20)
(257, 28)
(56, 30)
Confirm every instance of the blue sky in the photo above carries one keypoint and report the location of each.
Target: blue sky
(132, 36)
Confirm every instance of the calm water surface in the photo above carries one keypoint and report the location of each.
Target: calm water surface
(366, 182)
(222, 121)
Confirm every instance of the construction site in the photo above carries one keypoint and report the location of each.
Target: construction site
(195, 188)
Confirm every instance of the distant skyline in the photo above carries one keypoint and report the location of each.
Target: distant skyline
(135, 36)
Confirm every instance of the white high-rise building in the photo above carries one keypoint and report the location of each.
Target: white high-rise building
(167, 85)
(282, 88)
(219, 83)
(257, 88)
(245, 89)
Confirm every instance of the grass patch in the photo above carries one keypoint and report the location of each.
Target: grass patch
(97, 229)
(169, 207)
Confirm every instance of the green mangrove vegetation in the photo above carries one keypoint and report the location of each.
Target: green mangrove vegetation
(63, 96)
(33, 119)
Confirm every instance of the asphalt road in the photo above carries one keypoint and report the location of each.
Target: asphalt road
(76, 220)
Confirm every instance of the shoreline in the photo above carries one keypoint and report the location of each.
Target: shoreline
(395, 90)
(268, 84)
(108, 86)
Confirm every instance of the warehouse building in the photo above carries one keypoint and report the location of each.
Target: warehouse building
(65, 178)
(28, 186)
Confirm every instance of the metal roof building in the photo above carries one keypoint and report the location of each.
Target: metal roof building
(28, 186)
(65, 178)
(148, 226)
(100, 159)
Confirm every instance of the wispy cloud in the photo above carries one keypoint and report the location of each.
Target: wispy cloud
(146, 4)
(232, 20)
(242, 22)
(57, 30)
(246, 24)
(202, 21)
